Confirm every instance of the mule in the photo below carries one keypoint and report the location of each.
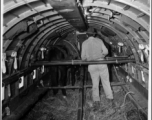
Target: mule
(58, 74)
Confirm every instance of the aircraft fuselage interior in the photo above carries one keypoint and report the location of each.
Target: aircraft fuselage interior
(43, 74)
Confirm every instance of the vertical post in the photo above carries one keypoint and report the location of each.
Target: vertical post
(81, 98)
(84, 89)
(25, 82)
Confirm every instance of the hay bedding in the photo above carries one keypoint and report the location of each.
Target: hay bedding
(58, 108)
(126, 112)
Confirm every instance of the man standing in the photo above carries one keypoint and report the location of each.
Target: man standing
(94, 49)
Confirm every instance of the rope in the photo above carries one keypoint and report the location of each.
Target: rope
(130, 92)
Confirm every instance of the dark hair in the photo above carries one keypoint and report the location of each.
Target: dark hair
(91, 32)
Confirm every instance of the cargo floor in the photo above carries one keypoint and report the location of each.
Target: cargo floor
(59, 108)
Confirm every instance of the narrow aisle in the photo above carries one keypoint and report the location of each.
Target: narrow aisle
(124, 110)
(56, 107)
(59, 108)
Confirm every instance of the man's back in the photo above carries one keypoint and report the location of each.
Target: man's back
(93, 49)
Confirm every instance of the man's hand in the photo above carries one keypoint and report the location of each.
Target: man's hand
(103, 55)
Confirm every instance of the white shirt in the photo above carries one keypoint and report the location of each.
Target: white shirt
(93, 49)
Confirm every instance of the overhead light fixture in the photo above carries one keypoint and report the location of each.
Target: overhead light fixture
(66, 10)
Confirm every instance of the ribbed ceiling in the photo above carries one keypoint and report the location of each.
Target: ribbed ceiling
(30, 24)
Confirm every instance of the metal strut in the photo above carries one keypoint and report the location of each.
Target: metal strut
(81, 62)
(84, 86)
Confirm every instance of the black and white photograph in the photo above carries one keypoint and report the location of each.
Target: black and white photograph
(75, 60)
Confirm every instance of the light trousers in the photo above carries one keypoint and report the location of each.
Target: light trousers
(98, 72)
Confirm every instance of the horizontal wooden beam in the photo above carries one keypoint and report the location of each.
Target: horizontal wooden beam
(81, 62)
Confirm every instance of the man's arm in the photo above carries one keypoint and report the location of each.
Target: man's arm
(83, 52)
(104, 49)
